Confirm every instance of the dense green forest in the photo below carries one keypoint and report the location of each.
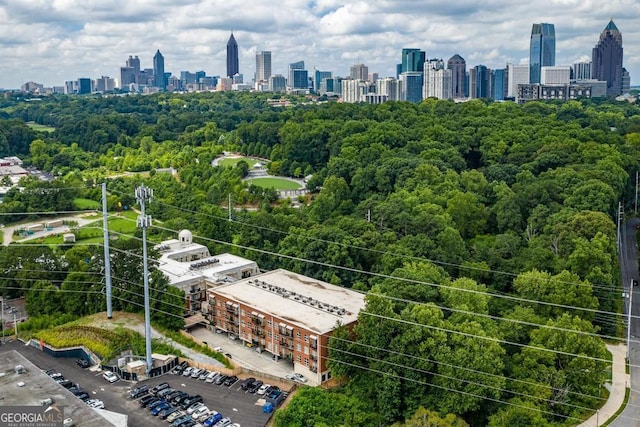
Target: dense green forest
(483, 233)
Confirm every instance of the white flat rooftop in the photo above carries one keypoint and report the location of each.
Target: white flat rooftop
(205, 268)
(309, 303)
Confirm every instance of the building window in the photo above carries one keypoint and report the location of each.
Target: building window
(306, 350)
(328, 375)
(269, 323)
(298, 334)
(324, 377)
(269, 334)
(298, 348)
(306, 362)
(298, 359)
(218, 312)
(306, 338)
(242, 322)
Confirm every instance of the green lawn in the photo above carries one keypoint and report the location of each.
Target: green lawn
(41, 128)
(93, 233)
(234, 160)
(86, 204)
(277, 183)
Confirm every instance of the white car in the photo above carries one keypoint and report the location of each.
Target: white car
(263, 389)
(204, 375)
(223, 422)
(196, 373)
(194, 408)
(110, 376)
(211, 377)
(187, 371)
(296, 377)
(200, 414)
(95, 403)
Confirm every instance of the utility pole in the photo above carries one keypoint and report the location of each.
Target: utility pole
(629, 317)
(620, 214)
(142, 194)
(107, 257)
(636, 203)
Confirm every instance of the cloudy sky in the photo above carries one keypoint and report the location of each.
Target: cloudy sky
(50, 41)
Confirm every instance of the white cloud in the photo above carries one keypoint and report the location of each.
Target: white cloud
(50, 41)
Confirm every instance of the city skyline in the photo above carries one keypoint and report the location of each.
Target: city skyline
(63, 41)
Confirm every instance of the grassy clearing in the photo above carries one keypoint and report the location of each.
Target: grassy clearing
(122, 226)
(232, 161)
(277, 183)
(40, 128)
(86, 204)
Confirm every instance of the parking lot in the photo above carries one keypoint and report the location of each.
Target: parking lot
(233, 402)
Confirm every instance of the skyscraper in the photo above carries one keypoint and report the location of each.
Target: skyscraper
(479, 82)
(158, 71)
(542, 51)
(437, 80)
(233, 66)
(296, 78)
(134, 62)
(458, 68)
(606, 64)
(263, 66)
(412, 60)
(359, 72)
(516, 75)
(412, 82)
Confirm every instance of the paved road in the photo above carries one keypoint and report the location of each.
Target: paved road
(629, 271)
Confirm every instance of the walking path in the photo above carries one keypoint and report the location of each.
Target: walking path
(619, 382)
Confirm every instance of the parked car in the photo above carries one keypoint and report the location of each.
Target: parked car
(164, 393)
(161, 407)
(155, 404)
(83, 363)
(201, 413)
(76, 390)
(145, 400)
(175, 415)
(180, 399)
(83, 396)
(223, 422)
(191, 400)
(180, 368)
(196, 373)
(247, 383)
(66, 384)
(263, 389)
(220, 379)
(167, 411)
(212, 419)
(181, 395)
(296, 377)
(95, 403)
(211, 377)
(230, 380)
(110, 376)
(187, 371)
(255, 386)
(139, 391)
(203, 375)
(182, 420)
(193, 408)
(157, 389)
(150, 402)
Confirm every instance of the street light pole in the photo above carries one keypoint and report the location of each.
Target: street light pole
(629, 317)
(107, 257)
(142, 194)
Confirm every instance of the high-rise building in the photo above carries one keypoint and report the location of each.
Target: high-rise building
(388, 86)
(277, 83)
(127, 77)
(134, 62)
(105, 84)
(263, 66)
(458, 68)
(84, 86)
(626, 81)
(412, 60)
(499, 84)
(353, 90)
(318, 77)
(296, 78)
(581, 71)
(516, 75)
(359, 72)
(437, 80)
(542, 51)
(412, 82)
(158, 71)
(233, 66)
(558, 75)
(479, 82)
(607, 59)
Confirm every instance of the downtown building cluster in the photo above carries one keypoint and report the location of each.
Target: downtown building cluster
(417, 77)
